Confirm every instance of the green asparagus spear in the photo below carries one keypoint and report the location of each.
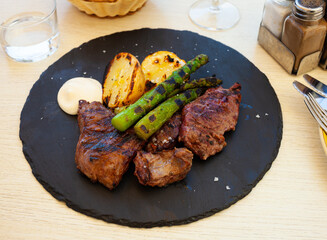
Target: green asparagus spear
(196, 83)
(123, 120)
(154, 120)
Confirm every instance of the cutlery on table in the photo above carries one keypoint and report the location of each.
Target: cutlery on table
(316, 111)
(314, 99)
(316, 84)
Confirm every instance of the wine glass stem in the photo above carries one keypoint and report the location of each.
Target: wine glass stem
(214, 5)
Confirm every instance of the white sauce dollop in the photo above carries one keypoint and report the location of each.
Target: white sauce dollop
(76, 89)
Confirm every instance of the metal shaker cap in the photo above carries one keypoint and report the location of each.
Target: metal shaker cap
(309, 9)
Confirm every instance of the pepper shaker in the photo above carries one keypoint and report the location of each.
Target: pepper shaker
(304, 30)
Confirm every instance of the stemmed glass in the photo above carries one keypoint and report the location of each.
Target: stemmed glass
(214, 14)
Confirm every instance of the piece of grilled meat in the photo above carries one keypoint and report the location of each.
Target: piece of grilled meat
(162, 168)
(103, 153)
(167, 136)
(205, 120)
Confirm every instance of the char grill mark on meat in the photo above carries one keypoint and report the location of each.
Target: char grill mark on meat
(162, 168)
(103, 153)
(167, 136)
(205, 120)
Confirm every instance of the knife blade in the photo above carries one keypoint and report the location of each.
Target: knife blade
(304, 90)
(316, 84)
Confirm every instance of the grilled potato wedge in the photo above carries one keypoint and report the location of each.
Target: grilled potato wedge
(124, 81)
(158, 66)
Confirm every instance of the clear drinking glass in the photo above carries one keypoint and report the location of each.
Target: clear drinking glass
(214, 14)
(29, 29)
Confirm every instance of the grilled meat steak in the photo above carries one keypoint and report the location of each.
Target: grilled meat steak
(167, 136)
(162, 168)
(103, 153)
(205, 120)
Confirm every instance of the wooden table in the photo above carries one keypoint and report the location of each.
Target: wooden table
(290, 202)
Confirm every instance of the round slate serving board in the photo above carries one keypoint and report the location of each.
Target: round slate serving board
(49, 135)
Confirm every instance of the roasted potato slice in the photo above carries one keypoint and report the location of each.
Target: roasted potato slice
(158, 66)
(124, 81)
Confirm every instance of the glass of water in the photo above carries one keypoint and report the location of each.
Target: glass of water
(214, 14)
(29, 29)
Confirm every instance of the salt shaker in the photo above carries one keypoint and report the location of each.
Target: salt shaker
(304, 30)
(274, 14)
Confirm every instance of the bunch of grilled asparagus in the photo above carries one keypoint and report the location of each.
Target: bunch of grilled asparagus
(173, 93)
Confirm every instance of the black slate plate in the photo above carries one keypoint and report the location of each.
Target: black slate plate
(49, 135)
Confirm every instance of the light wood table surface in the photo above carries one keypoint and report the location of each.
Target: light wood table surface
(290, 202)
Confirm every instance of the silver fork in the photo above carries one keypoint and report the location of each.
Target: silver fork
(316, 110)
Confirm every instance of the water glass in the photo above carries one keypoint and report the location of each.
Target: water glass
(29, 29)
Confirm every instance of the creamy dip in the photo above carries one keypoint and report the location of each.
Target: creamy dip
(77, 89)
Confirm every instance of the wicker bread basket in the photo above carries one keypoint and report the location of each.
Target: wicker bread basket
(108, 8)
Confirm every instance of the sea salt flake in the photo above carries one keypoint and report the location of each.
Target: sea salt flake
(257, 116)
(216, 179)
(227, 187)
(84, 73)
(266, 114)
(136, 44)
(104, 51)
